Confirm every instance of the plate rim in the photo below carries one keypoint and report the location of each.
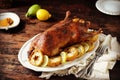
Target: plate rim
(13, 25)
(98, 6)
(26, 64)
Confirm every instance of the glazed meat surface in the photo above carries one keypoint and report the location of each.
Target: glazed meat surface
(60, 35)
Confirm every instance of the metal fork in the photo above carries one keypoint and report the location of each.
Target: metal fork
(86, 72)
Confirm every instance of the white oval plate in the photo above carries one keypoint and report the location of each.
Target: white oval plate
(13, 16)
(23, 58)
(111, 7)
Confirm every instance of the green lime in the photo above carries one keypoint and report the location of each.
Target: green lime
(32, 10)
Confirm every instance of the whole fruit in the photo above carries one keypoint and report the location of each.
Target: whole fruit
(32, 10)
(43, 15)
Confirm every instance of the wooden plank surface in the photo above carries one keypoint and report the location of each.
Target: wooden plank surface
(12, 40)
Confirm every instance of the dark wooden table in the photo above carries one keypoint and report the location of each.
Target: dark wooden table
(12, 40)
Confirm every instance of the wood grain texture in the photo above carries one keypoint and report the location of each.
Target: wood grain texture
(12, 40)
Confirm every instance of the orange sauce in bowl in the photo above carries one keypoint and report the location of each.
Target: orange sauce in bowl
(6, 22)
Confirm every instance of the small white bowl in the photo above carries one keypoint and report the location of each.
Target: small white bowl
(111, 7)
(13, 16)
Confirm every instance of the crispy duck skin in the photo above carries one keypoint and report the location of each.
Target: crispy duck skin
(62, 34)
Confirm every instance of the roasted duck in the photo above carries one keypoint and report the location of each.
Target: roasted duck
(63, 34)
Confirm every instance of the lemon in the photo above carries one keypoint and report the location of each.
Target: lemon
(32, 10)
(81, 50)
(45, 61)
(91, 46)
(86, 46)
(63, 56)
(43, 15)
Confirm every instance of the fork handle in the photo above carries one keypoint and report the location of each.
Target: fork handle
(90, 66)
(88, 70)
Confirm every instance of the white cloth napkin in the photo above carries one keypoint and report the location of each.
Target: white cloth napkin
(108, 60)
(101, 66)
